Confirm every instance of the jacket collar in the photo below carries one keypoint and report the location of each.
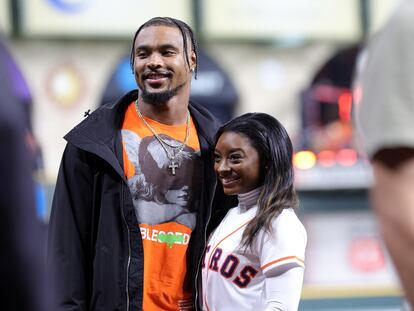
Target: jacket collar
(99, 133)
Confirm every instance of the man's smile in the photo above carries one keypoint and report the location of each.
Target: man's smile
(156, 78)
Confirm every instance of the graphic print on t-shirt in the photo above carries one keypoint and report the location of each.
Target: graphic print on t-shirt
(164, 203)
(158, 195)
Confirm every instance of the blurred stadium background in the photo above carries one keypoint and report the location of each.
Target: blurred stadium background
(292, 59)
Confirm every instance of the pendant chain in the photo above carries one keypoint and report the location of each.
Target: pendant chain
(179, 149)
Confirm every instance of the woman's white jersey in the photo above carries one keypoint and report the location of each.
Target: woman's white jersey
(235, 278)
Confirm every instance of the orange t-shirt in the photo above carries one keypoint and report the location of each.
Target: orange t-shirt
(165, 204)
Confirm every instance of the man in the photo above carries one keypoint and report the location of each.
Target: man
(135, 187)
(386, 115)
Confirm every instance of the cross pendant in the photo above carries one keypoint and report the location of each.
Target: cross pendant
(173, 165)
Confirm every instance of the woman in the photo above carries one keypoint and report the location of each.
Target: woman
(254, 259)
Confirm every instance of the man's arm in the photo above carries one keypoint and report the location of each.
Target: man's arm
(69, 249)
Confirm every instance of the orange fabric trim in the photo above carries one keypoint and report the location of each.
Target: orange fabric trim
(281, 259)
(227, 237)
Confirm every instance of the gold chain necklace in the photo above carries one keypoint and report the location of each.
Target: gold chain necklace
(171, 156)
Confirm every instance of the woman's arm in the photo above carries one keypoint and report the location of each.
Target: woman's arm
(283, 290)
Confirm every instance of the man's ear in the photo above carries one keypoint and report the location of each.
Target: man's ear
(193, 61)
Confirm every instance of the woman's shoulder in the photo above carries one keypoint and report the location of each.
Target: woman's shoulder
(285, 244)
(287, 224)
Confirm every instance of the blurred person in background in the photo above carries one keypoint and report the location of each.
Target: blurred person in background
(136, 186)
(254, 259)
(21, 235)
(386, 120)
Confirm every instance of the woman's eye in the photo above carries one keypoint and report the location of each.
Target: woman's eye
(216, 158)
(235, 158)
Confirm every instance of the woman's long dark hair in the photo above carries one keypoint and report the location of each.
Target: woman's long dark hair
(268, 136)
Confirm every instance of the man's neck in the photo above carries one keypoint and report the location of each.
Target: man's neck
(173, 112)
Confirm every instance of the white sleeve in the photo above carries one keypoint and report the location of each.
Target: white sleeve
(283, 291)
(284, 249)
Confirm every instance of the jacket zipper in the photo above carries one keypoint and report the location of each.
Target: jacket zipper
(205, 241)
(129, 247)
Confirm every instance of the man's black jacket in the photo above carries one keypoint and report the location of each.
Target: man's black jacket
(95, 248)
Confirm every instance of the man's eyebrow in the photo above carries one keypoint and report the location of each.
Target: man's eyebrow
(168, 46)
(162, 47)
(142, 47)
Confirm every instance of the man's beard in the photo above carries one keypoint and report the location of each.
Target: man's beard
(159, 98)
